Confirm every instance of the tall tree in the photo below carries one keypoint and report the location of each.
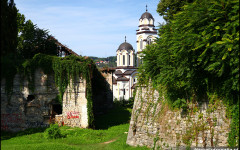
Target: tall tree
(8, 27)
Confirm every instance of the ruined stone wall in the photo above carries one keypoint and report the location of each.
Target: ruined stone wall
(75, 105)
(108, 75)
(20, 112)
(27, 109)
(155, 125)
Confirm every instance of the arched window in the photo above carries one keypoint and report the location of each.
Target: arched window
(129, 59)
(141, 44)
(123, 59)
(149, 41)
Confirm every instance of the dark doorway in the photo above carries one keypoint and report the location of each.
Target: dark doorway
(57, 108)
(30, 98)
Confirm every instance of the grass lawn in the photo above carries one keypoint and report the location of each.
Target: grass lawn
(108, 135)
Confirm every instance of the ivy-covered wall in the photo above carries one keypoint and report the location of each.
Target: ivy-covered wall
(48, 79)
(155, 124)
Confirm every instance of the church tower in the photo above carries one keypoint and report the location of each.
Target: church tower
(146, 33)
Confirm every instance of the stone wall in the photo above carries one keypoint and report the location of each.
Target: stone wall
(154, 124)
(108, 75)
(26, 109)
(74, 112)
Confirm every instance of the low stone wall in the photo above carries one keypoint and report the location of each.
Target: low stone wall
(154, 124)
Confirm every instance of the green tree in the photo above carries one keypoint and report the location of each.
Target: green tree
(8, 27)
(33, 40)
(167, 8)
(198, 50)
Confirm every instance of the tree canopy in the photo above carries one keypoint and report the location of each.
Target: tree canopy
(167, 8)
(198, 50)
(20, 37)
(33, 40)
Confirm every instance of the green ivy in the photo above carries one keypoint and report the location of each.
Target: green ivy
(64, 70)
(233, 136)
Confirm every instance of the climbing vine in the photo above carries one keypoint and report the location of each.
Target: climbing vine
(66, 70)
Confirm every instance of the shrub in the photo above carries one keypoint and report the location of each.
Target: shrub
(53, 132)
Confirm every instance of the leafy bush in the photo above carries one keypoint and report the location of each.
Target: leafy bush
(124, 103)
(130, 102)
(53, 132)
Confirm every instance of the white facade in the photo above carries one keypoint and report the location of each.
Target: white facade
(125, 73)
(124, 77)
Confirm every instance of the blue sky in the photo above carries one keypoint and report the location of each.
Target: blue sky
(89, 27)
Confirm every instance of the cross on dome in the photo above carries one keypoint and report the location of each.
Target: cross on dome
(146, 8)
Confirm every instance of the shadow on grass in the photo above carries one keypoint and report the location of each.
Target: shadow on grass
(5, 135)
(116, 116)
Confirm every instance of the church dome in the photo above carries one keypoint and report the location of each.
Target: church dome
(146, 15)
(125, 46)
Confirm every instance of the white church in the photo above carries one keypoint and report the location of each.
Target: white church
(124, 77)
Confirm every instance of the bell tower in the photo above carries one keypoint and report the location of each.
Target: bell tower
(146, 33)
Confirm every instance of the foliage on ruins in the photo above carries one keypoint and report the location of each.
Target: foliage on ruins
(197, 55)
(20, 40)
(66, 71)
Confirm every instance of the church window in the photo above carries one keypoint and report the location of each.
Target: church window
(129, 59)
(149, 41)
(141, 44)
(123, 59)
(123, 91)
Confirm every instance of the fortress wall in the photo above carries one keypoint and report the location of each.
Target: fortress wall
(24, 108)
(154, 124)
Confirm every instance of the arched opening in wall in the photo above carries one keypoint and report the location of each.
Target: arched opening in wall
(149, 40)
(141, 44)
(57, 108)
(30, 98)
